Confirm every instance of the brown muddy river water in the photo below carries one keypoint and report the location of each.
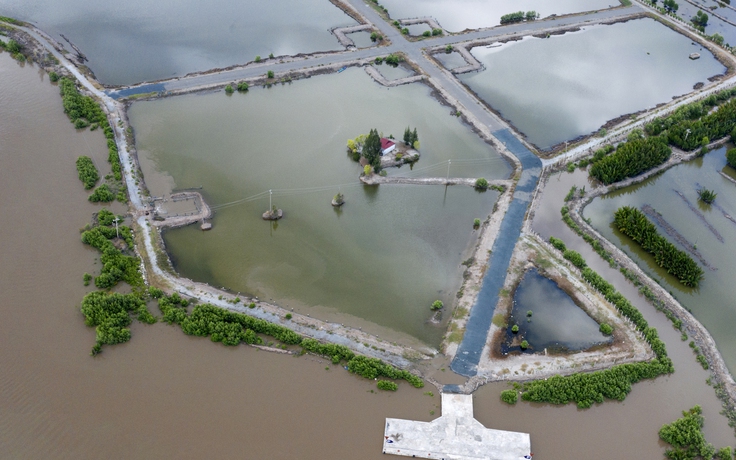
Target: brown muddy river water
(167, 395)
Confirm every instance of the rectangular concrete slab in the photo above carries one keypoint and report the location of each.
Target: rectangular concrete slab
(456, 435)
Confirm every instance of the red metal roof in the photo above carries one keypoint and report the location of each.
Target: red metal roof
(386, 143)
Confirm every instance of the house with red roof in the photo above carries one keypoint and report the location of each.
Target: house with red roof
(387, 146)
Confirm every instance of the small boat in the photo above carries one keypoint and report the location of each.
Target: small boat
(343, 68)
(694, 56)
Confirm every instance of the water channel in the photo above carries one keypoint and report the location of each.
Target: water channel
(712, 303)
(458, 15)
(565, 86)
(167, 395)
(385, 256)
(144, 41)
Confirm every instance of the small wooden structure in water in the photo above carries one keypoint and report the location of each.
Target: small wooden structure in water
(694, 56)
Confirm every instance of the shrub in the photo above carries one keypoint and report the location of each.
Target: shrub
(102, 194)
(515, 328)
(229, 89)
(449, 49)
(54, 77)
(394, 59)
(87, 278)
(707, 196)
(481, 184)
(269, 74)
(87, 172)
(686, 437)
(606, 329)
(242, 86)
(258, 59)
(529, 314)
(288, 316)
(437, 305)
(426, 33)
(270, 56)
(476, 223)
(634, 224)
(524, 344)
(509, 396)
(436, 32)
(731, 157)
(387, 385)
(575, 258)
(557, 244)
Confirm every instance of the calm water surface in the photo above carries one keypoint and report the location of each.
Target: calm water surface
(140, 40)
(458, 15)
(167, 395)
(385, 256)
(566, 86)
(713, 302)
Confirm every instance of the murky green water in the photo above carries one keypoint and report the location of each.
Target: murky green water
(451, 60)
(458, 15)
(556, 322)
(141, 41)
(566, 86)
(713, 302)
(385, 256)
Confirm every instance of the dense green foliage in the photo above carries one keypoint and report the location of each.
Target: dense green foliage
(686, 437)
(519, 16)
(87, 172)
(597, 246)
(116, 266)
(372, 148)
(234, 328)
(557, 244)
(394, 59)
(707, 196)
(606, 329)
(79, 107)
(110, 314)
(102, 194)
(700, 20)
(410, 137)
(229, 89)
(634, 224)
(509, 396)
(688, 125)
(630, 159)
(387, 385)
(437, 305)
(242, 86)
(481, 184)
(575, 258)
(731, 157)
(54, 77)
(615, 383)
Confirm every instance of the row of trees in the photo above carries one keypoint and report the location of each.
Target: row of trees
(87, 172)
(615, 383)
(519, 16)
(82, 110)
(110, 314)
(630, 159)
(232, 329)
(634, 224)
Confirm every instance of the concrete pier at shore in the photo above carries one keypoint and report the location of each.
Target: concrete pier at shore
(455, 435)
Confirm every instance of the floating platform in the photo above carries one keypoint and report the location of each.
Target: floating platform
(206, 226)
(694, 56)
(455, 435)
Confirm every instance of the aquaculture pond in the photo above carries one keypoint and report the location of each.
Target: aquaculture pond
(709, 229)
(687, 12)
(141, 40)
(548, 319)
(384, 256)
(458, 15)
(558, 88)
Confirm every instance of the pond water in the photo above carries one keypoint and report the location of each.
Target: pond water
(143, 41)
(712, 303)
(715, 26)
(394, 73)
(458, 15)
(556, 323)
(385, 256)
(418, 29)
(566, 86)
(450, 61)
(361, 39)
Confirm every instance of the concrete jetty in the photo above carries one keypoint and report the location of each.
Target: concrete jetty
(375, 179)
(455, 435)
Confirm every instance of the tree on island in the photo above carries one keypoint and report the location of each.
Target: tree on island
(372, 148)
(410, 137)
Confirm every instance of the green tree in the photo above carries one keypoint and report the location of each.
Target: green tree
(407, 136)
(242, 86)
(686, 437)
(269, 74)
(449, 49)
(372, 148)
(700, 19)
(437, 305)
(671, 6)
(481, 184)
(509, 396)
(707, 196)
(387, 385)
(524, 344)
(606, 329)
(229, 89)
(731, 157)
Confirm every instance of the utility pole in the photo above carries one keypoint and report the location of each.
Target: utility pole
(117, 232)
(449, 162)
(270, 206)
